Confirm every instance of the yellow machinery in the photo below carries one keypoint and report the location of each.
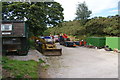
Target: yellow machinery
(48, 49)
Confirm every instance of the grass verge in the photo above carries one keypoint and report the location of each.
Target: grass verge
(20, 69)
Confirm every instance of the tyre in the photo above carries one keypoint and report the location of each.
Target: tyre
(60, 44)
(66, 45)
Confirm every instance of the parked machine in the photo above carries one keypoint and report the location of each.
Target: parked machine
(47, 46)
(14, 37)
(64, 40)
(56, 39)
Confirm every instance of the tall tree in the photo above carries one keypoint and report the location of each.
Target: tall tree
(54, 13)
(37, 14)
(82, 12)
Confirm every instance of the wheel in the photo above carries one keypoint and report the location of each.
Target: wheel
(66, 45)
(60, 43)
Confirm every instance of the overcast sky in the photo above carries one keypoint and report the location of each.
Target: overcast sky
(98, 7)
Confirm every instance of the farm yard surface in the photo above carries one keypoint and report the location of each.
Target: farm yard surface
(80, 62)
(76, 62)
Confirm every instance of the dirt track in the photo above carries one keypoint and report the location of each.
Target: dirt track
(80, 62)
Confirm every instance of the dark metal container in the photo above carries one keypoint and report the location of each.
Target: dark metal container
(14, 37)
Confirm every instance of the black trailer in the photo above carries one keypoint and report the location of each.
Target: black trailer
(14, 37)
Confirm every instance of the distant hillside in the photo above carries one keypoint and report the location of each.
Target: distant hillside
(98, 26)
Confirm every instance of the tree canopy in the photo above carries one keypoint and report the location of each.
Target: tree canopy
(97, 26)
(38, 15)
(82, 12)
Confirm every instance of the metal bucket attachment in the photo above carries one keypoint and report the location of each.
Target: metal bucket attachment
(52, 52)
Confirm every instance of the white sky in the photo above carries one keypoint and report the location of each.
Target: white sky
(98, 7)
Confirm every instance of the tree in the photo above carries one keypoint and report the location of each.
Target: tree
(82, 12)
(103, 26)
(54, 13)
(37, 14)
(112, 26)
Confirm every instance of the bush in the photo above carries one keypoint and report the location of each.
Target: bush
(31, 43)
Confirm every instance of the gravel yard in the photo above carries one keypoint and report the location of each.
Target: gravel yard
(80, 62)
(32, 55)
(76, 62)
